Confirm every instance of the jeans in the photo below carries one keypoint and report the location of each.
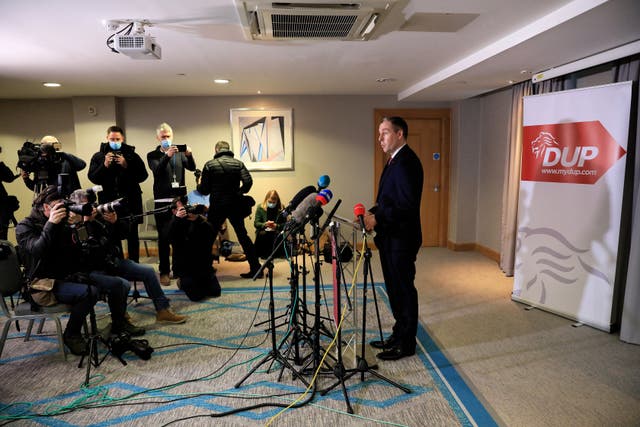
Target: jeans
(81, 298)
(117, 289)
(133, 271)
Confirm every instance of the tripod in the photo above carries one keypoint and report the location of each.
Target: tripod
(362, 364)
(92, 346)
(274, 354)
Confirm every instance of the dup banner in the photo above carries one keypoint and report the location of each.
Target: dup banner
(570, 202)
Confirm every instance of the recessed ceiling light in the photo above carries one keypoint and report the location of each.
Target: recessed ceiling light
(525, 72)
(259, 92)
(51, 84)
(222, 81)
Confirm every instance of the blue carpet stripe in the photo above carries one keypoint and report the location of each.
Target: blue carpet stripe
(449, 384)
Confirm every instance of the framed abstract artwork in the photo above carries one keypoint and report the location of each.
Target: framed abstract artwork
(263, 138)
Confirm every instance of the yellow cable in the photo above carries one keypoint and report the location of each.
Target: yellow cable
(315, 375)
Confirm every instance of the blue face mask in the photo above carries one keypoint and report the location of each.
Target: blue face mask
(271, 205)
(165, 143)
(115, 145)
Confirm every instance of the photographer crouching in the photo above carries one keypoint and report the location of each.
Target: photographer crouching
(106, 231)
(192, 238)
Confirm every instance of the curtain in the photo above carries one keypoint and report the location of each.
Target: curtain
(630, 319)
(511, 185)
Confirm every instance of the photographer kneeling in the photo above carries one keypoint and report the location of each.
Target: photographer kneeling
(107, 232)
(192, 237)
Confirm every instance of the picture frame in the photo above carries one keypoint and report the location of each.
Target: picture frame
(262, 138)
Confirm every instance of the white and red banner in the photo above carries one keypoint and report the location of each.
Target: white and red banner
(570, 205)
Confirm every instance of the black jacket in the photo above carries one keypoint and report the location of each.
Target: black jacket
(119, 182)
(65, 163)
(192, 242)
(6, 175)
(225, 179)
(164, 168)
(47, 248)
(397, 207)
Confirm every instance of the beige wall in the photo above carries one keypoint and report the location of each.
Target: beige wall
(333, 135)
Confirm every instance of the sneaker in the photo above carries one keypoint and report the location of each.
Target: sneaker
(165, 279)
(76, 344)
(167, 316)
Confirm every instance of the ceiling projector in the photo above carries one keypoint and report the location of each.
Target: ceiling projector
(137, 46)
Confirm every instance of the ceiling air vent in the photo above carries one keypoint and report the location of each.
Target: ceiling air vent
(263, 20)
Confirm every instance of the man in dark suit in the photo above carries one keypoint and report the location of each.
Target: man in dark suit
(396, 219)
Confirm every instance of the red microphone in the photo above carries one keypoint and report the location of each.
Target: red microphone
(358, 211)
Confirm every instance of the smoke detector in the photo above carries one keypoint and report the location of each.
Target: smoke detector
(311, 20)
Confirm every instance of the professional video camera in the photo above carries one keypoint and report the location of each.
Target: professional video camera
(37, 158)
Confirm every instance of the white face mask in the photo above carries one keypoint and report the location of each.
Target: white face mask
(271, 205)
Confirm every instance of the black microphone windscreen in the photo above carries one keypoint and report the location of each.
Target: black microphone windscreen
(299, 197)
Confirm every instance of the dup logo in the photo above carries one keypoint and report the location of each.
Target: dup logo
(577, 153)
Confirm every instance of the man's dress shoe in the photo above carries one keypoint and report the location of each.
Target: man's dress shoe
(387, 343)
(395, 353)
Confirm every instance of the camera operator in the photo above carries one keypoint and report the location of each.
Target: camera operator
(98, 259)
(192, 238)
(48, 162)
(8, 204)
(120, 170)
(48, 252)
(168, 163)
(107, 231)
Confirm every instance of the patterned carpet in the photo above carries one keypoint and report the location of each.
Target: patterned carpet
(192, 375)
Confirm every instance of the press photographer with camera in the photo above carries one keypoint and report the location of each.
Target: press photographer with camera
(103, 234)
(8, 204)
(120, 170)
(192, 238)
(41, 164)
(168, 163)
(48, 252)
(99, 259)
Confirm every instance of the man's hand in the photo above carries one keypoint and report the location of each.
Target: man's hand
(369, 221)
(110, 217)
(57, 213)
(171, 151)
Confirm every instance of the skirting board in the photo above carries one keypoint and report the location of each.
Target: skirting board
(459, 247)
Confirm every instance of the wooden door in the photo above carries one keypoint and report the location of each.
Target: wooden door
(430, 137)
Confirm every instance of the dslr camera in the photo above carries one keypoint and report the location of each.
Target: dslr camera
(197, 209)
(121, 343)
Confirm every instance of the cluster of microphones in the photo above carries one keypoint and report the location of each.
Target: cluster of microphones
(307, 205)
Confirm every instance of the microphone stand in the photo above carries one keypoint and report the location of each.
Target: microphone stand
(362, 365)
(274, 354)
